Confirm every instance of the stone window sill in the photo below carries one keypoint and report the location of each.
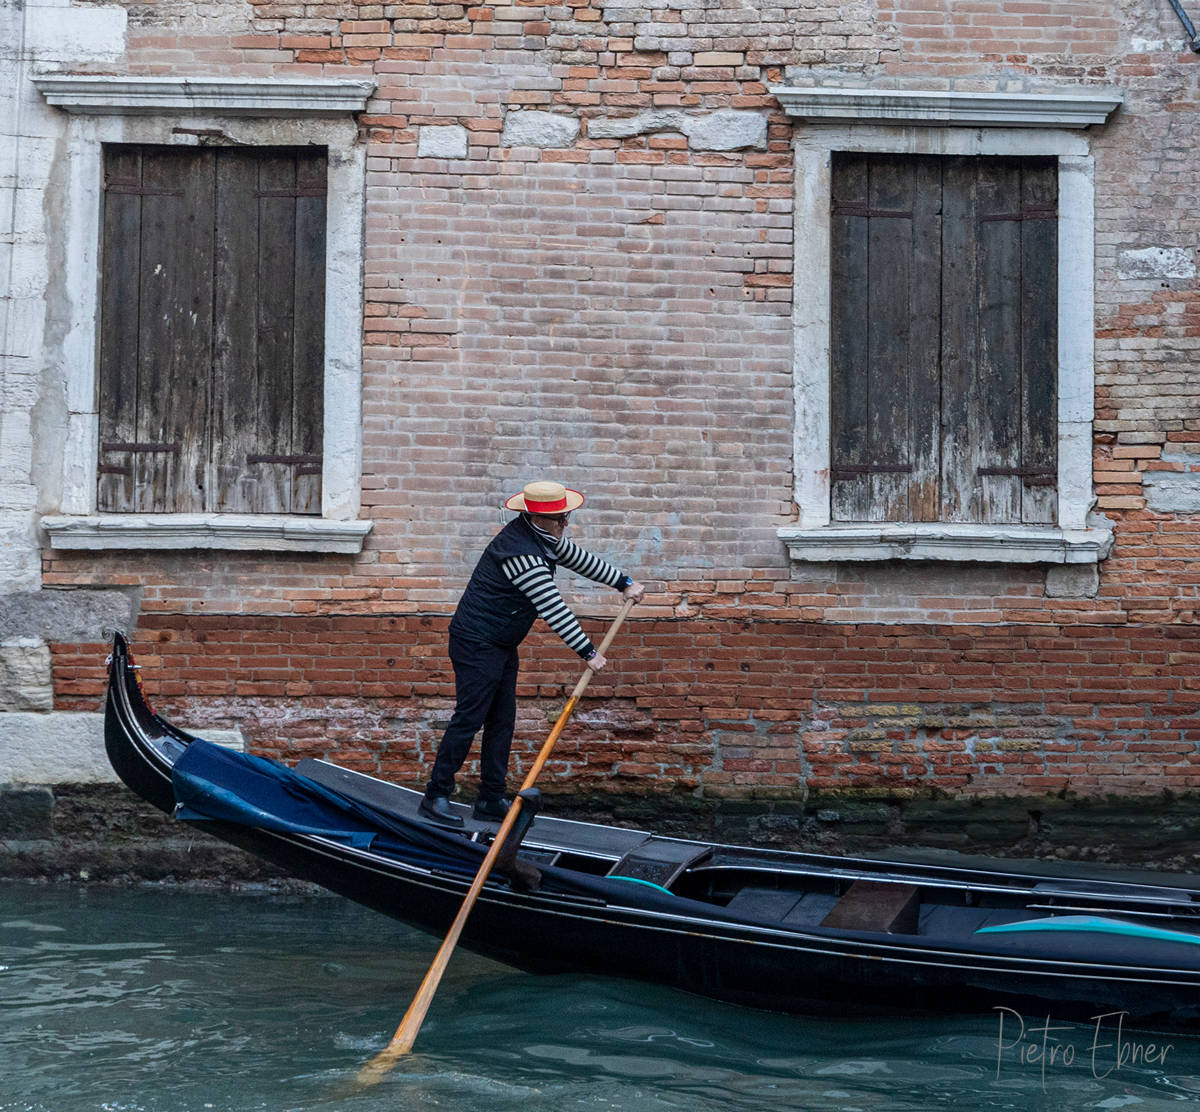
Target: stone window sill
(1006, 544)
(242, 532)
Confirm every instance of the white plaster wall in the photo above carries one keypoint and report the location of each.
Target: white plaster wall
(35, 37)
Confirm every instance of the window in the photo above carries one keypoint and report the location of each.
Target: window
(943, 343)
(177, 486)
(1000, 467)
(211, 330)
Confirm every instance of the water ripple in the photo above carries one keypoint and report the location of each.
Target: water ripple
(150, 1001)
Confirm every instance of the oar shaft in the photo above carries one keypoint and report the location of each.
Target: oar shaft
(410, 1025)
(406, 1033)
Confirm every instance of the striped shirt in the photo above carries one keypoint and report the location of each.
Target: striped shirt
(531, 575)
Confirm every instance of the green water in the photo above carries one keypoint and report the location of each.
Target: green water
(147, 1000)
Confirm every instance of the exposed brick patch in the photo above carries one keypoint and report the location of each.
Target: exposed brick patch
(950, 35)
(726, 708)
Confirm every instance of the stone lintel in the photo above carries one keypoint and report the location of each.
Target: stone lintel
(1061, 108)
(91, 94)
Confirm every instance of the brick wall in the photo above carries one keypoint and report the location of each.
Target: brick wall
(711, 707)
(1064, 38)
(616, 311)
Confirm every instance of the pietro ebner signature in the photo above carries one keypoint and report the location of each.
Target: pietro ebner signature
(1046, 1046)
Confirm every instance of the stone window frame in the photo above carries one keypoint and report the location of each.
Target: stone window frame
(191, 111)
(945, 123)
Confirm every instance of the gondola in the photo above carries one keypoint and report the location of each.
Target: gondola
(787, 931)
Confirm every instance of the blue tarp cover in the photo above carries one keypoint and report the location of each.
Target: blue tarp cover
(212, 783)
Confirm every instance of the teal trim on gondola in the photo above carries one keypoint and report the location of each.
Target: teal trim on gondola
(1085, 924)
(647, 883)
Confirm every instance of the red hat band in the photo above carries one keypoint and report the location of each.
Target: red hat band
(554, 507)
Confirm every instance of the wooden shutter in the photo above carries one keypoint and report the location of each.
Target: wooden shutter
(212, 333)
(156, 334)
(885, 339)
(269, 357)
(1000, 362)
(944, 339)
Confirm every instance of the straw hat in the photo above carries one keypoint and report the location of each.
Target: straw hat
(545, 497)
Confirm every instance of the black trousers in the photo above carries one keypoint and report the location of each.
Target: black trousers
(485, 690)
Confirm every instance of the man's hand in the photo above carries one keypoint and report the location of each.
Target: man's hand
(635, 590)
(597, 662)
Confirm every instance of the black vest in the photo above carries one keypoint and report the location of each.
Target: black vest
(491, 609)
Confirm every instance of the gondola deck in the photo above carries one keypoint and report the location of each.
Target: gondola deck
(776, 929)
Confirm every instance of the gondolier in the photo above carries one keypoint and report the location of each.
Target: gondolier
(512, 585)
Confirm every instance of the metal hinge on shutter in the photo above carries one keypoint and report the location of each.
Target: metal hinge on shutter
(137, 189)
(124, 468)
(857, 208)
(850, 470)
(1032, 476)
(1033, 212)
(305, 465)
(317, 189)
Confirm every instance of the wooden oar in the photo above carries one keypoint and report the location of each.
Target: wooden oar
(406, 1033)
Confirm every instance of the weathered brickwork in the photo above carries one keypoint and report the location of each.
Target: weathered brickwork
(580, 244)
(772, 709)
(949, 38)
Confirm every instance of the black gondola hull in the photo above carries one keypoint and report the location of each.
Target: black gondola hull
(777, 974)
(754, 962)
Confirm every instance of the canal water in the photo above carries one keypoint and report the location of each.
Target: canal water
(151, 1000)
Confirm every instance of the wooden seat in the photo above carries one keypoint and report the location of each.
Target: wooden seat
(873, 905)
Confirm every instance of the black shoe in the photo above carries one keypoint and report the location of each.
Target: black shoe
(490, 810)
(437, 809)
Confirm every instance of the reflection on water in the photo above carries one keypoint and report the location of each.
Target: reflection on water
(155, 1001)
